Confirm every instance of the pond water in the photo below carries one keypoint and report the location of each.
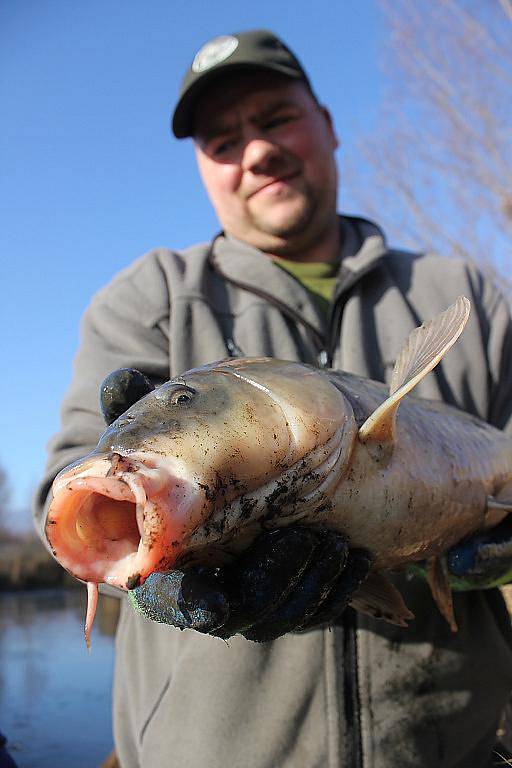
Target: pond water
(54, 696)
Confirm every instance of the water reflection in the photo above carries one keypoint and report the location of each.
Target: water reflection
(54, 696)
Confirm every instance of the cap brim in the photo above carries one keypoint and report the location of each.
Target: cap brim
(182, 122)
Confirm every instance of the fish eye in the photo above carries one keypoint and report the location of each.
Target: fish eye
(182, 396)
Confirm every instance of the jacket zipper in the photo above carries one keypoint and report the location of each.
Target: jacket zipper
(352, 704)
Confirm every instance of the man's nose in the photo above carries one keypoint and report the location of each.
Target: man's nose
(259, 155)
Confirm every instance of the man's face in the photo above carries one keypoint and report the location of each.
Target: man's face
(265, 151)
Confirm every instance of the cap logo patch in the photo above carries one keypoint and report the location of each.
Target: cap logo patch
(212, 53)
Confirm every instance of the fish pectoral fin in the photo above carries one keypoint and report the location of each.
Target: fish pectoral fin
(378, 598)
(422, 351)
(437, 577)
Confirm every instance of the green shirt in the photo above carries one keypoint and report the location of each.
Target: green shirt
(318, 278)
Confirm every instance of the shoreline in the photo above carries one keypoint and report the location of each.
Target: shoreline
(25, 563)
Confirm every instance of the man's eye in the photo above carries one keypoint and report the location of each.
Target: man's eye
(276, 122)
(223, 147)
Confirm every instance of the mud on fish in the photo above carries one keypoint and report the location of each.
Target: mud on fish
(196, 468)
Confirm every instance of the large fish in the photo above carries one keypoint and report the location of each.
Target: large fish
(193, 471)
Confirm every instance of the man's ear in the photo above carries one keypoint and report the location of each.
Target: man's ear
(330, 125)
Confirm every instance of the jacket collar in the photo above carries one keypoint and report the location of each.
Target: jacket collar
(363, 245)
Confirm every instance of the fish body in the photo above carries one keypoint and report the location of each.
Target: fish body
(197, 468)
(428, 491)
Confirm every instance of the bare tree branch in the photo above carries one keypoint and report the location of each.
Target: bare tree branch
(441, 163)
(507, 7)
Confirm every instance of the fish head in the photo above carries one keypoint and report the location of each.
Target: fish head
(186, 451)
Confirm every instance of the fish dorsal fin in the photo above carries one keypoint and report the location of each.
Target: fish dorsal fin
(379, 598)
(437, 577)
(422, 351)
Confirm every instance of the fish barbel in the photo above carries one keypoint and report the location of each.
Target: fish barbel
(198, 467)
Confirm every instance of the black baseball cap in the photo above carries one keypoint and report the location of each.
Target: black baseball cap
(254, 49)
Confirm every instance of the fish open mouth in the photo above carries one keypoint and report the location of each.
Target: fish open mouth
(94, 529)
(116, 519)
(112, 521)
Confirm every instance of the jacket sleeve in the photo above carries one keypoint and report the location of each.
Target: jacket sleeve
(500, 365)
(484, 561)
(495, 321)
(126, 325)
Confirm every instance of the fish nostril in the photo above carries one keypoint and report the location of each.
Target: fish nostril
(122, 421)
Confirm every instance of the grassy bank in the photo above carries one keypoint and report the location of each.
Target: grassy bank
(26, 564)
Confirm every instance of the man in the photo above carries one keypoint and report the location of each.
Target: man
(288, 277)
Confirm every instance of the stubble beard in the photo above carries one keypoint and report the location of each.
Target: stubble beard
(283, 235)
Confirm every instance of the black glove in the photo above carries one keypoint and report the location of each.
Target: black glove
(484, 560)
(291, 579)
(481, 561)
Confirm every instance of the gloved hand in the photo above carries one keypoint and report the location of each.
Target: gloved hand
(290, 579)
(481, 561)
(484, 560)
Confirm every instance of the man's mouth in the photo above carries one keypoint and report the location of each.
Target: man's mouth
(275, 185)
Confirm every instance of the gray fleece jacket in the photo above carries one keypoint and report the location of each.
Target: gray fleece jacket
(361, 694)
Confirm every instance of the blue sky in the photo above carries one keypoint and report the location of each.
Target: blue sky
(91, 177)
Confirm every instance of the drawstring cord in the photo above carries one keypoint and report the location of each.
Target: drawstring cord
(232, 347)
